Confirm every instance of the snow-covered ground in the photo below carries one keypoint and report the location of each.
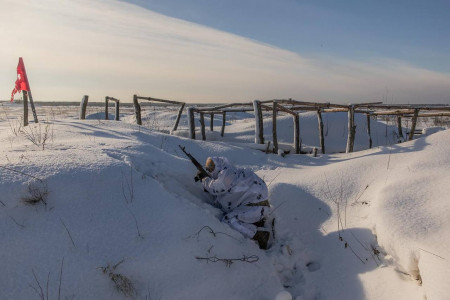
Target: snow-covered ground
(373, 224)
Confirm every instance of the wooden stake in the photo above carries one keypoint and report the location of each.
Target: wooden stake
(351, 129)
(177, 121)
(83, 106)
(224, 114)
(321, 138)
(368, 130)
(413, 125)
(259, 126)
(25, 108)
(117, 115)
(191, 122)
(137, 110)
(297, 145)
(399, 128)
(274, 127)
(202, 125)
(211, 124)
(106, 108)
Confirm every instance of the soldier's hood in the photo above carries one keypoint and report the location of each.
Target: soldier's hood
(220, 164)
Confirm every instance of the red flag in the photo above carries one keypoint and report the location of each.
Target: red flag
(22, 80)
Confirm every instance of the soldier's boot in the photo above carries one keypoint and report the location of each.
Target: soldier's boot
(262, 237)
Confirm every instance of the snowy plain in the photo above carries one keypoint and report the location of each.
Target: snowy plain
(373, 224)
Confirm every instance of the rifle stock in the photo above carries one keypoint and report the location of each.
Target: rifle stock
(195, 162)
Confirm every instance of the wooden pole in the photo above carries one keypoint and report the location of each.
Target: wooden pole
(413, 124)
(351, 129)
(274, 127)
(25, 108)
(211, 124)
(191, 122)
(259, 126)
(30, 96)
(137, 110)
(177, 121)
(297, 145)
(117, 115)
(224, 114)
(322, 139)
(368, 130)
(202, 125)
(106, 108)
(399, 128)
(83, 106)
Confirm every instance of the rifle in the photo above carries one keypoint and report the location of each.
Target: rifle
(199, 167)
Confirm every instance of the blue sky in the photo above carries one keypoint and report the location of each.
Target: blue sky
(417, 32)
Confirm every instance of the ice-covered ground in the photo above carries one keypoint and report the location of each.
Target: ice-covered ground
(373, 224)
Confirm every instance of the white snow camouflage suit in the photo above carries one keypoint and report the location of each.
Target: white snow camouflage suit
(236, 191)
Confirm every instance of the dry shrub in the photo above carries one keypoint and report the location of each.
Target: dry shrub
(37, 193)
(122, 283)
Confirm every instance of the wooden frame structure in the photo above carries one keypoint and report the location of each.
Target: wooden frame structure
(137, 108)
(116, 106)
(293, 107)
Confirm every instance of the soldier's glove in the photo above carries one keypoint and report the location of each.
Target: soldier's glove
(200, 175)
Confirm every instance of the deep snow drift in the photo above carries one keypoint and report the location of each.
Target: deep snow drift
(372, 224)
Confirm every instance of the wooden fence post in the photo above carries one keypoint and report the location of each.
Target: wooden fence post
(211, 125)
(351, 129)
(202, 125)
(106, 108)
(191, 122)
(297, 145)
(25, 108)
(224, 114)
(274, 127)
(259, 126)
(368, 130)
(83, 106)
(399, 128)
(137, 110)
(117, 115)
(177, 121)
(322, 139)
(413, 124)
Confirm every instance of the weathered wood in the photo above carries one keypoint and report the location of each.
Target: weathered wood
(305, 103)
(412, 106)
(159, 100)
(137, 110)
(399, 128)
(297, 145)
(25, 108)
(33, 109)
(413, 125)
(286, 110)
(117, 111)
(259, 126)
(202, 125)
(368, 130)
(191, 122)
(83, 106)
(393, 112)
(274, 127)
(222, 132)
(351, 129)
(215, 108)
(106, 108)
(426, 115)
(177, 121)
(321, 137)
(211, 124)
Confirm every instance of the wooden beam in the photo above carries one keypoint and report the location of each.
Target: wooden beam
(259, 126)
(211, 123)
(83, 106)
(222, 132)
(25, 108)
(137, 110)
(160, 100)
(368, 130)
(177, 121)
(413, 124)
(321, 137)
(191, 122)
(106, 107)
(202, 126)
(274, 126)
(33, 109)
(399, 127)
(351, 129)
(297, 143)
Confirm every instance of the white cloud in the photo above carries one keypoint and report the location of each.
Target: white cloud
(105, 47)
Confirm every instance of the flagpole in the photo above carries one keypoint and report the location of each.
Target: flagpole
(25, 108)
(32, 106)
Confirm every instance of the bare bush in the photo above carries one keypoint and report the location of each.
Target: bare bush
(37, 193)
(38, 133)
(122, 283)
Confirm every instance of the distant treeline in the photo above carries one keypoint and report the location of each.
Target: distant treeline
(102, 104)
